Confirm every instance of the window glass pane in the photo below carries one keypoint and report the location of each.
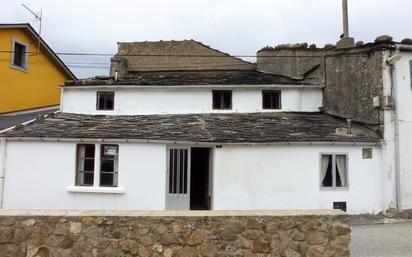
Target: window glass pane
(227, 100)
(19, 51)
(327, 172)
(109, 101)
(341, 170)
(106, 179)
(85, 165)
(88, 165)
(107, 165)
(88, 178)
(217, 104)
(271, 99)
(100, 101)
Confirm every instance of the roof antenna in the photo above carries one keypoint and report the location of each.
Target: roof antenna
(38, 16)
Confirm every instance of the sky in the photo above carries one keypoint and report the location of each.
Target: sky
(237, 27)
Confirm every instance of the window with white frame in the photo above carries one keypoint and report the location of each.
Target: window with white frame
(334, 171)
(85, 165)
(19, 55)
(87, 171)
(108, 165)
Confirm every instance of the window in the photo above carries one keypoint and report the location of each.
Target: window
(271, 99)
(19, 55)
(105, 100)
(333, 171)
(85, 165)
(222, 99)
(108, 165)
(367, 153)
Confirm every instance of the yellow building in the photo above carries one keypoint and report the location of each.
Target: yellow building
(29, 75)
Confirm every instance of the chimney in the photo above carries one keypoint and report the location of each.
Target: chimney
(345, 41)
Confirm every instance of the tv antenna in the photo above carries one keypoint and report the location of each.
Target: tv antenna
(38, 17)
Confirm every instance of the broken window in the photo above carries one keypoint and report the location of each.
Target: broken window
(19, 55)
(105, 100)
(271, 99)
(85, 165)
(333, 170)
(108, 165)
(222, 99)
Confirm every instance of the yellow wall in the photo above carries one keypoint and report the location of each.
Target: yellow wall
(38, 86)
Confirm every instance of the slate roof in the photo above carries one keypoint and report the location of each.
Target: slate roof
(184, 78)
(211, 128)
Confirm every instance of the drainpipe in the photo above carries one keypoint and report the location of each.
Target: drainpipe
(2, 168)
(396, 126)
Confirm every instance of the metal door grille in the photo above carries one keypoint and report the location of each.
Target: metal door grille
(178, 173)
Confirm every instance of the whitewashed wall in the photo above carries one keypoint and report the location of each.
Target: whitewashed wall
(39, 174)
(404, 108)
(129, 101)
(288, 177)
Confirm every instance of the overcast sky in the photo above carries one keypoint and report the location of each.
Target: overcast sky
(238, 27)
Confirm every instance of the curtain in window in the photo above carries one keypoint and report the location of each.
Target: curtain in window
(341, 164)
(324, 169)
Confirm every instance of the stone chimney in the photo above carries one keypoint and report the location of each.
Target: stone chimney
(346, 40)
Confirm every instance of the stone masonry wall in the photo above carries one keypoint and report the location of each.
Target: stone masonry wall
(353, 76)
(286, 234)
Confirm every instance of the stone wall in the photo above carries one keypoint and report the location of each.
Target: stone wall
(353, 76)
(186, 234)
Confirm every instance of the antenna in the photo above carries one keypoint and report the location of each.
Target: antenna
(38, 16)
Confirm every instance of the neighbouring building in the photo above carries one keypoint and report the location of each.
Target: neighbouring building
(368, 83)
(197, 135)
(30, 71)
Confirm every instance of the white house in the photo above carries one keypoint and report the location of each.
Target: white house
(192, 140)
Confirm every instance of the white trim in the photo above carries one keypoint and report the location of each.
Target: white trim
(149, 141)
(217, 87)
(100, 190)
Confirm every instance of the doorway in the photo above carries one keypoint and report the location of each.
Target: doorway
(188, 178)
(199, 180)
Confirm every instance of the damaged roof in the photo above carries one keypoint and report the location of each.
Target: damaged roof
(201, 128)
(184, 78)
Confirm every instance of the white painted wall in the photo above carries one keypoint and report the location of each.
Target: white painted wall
(244, 178)
(132, 101)
(404, 112)
(39, 173)
(288, 177)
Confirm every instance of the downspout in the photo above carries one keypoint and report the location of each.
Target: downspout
(396, 128)
(3, 143)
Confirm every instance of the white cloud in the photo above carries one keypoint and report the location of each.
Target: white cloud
(234, 26)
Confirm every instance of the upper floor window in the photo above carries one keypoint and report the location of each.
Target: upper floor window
(334, 171)
(222, 99)
(105, 100)
(271, 99)
(19, 55)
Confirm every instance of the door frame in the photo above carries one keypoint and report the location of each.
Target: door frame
(211, 169)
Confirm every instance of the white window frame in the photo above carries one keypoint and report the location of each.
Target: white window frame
(334, 187)
(96, 188)
(26, 55)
